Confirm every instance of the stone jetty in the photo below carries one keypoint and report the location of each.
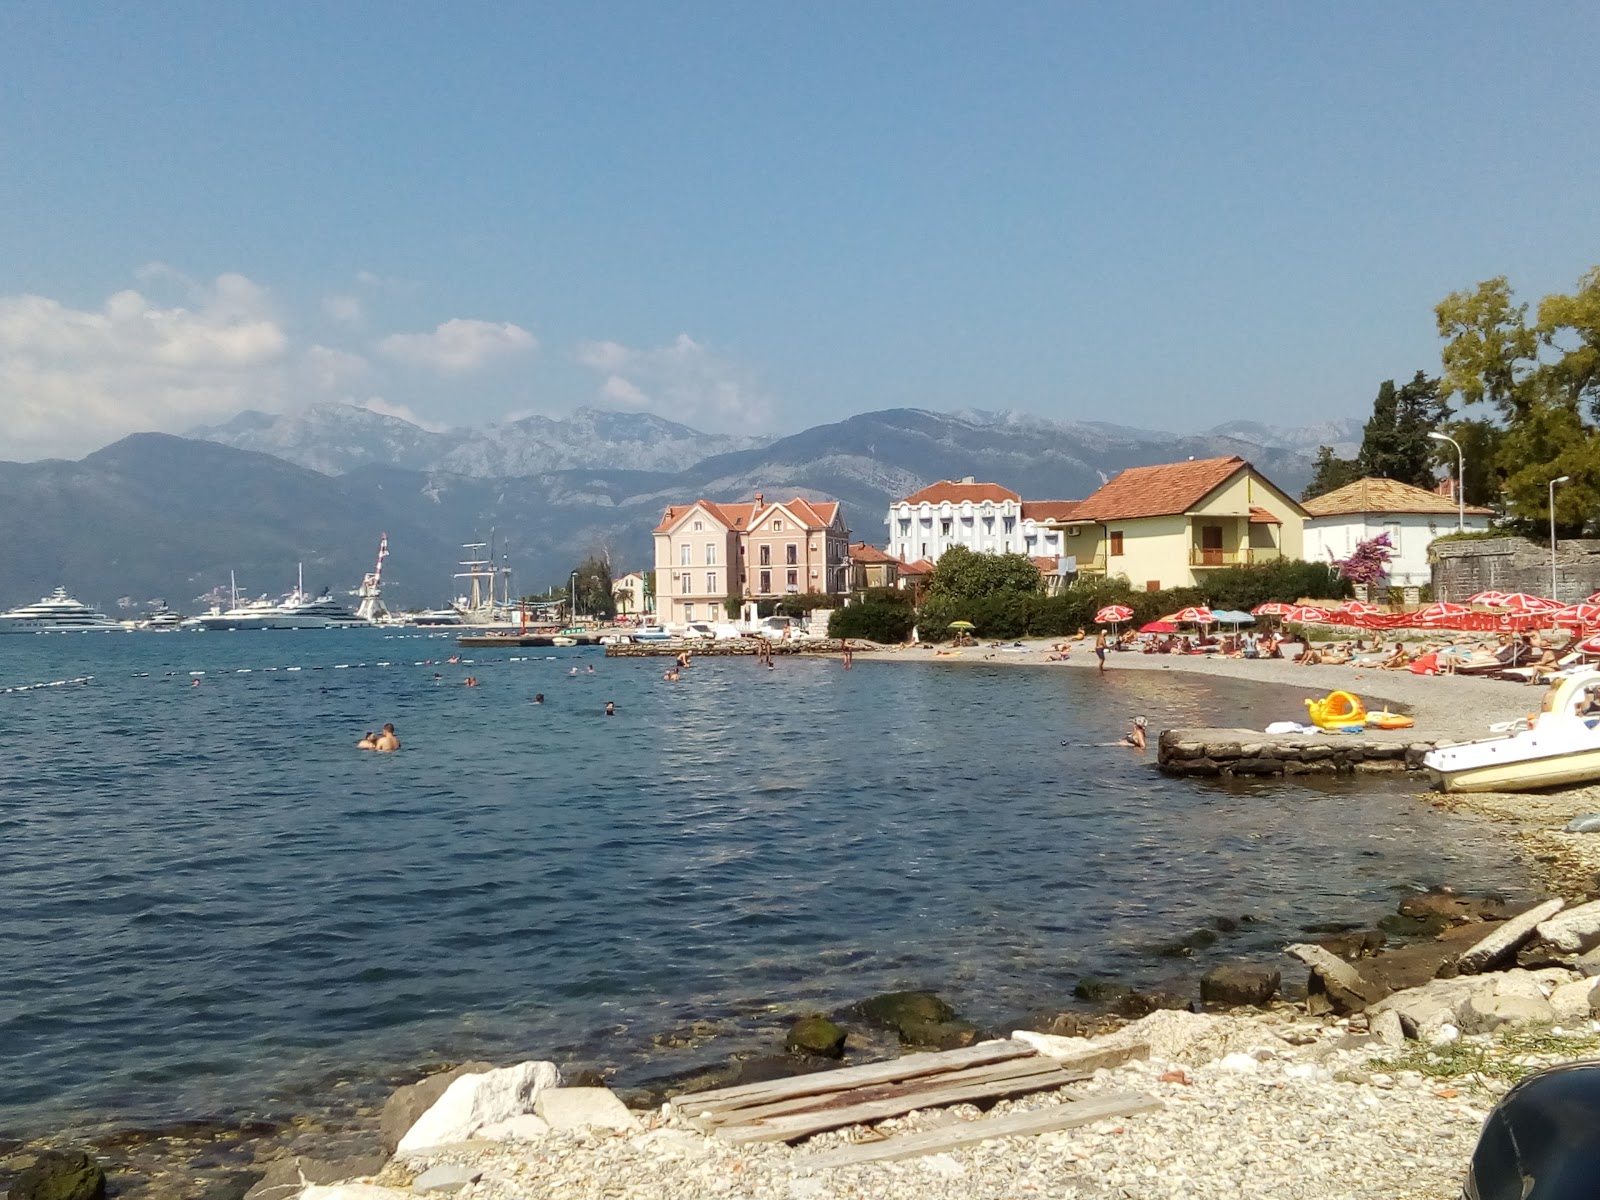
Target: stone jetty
(1251, 752)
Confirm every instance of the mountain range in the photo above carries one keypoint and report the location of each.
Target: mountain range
(155, 515)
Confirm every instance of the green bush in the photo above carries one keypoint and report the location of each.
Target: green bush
(877, 616)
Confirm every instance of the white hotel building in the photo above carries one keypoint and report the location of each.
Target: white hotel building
(984, 517)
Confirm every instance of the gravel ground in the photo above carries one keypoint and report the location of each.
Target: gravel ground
(1305, 1114)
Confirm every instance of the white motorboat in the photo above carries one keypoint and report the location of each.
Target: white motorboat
(297, 610)
(159, 619)
(56, 613)
(1558, 747)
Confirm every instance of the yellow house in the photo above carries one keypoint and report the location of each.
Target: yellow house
(1169, 525)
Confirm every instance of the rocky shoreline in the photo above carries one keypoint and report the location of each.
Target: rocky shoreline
(1385, 1059)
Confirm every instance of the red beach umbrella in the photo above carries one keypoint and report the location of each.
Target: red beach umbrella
(1526, 605)
(1580, 615)
(1307, 614)
(1113, 614)
(1194, 614)
(1158, 627)
(1438, 615)
(1355, 612)
(1594, 599)
(1272, 608)
(1590, 645)
(1491, 599)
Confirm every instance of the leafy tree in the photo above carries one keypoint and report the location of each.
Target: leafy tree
(881, 615)
(1480, 451)
(594, 595)
(1395, 443)
(1543, 381)
(621, 598)
(1330, 473)
(961, 574)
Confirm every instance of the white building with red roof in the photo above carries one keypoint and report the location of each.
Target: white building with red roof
(753, 550)
(986, 518)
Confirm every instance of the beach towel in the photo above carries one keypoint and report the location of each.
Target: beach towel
(1427, 664)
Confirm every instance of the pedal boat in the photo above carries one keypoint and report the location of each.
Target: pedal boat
(1559, 746)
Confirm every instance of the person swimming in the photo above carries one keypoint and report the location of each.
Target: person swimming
(1135, 736)
(590, 670)
(471, 681)
(387, 741)
(539, 698)
(573, 672)
(369, 741)
(670, 676)
(611, 709)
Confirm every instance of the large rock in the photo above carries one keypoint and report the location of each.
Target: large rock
(526, 1128)
(1506, 1002)
(60, 1175)
(584, 1108)
(1239, 985)
(473, 1101)
(895, 1010)
(1345, 988)
(445, 1179)
(354, 1191)
(1575, 1000)
(938, 1035)
(1507, 937)
(816, 1036)
(401, 1110)
(285, 1177)
(1424, 1011)
(1574, 931)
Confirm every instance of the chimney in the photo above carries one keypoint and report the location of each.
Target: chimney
(968, 479)
(759, 499)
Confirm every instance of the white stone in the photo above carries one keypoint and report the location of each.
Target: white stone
(474, 1101)
(524, 1128)
(1575, 931)
(584, 1108)
(941, 1164)
(674, 1143)
(353, 1191)
(445, 1178)
(1445, 1034)
(1488, 1010)
(1244, 1064)
(1574, 1001)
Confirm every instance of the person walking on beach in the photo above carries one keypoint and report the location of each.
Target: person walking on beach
(1101, 645)
(387, 742)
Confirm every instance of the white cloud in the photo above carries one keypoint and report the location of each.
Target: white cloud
(72, 379)
(684, 380)
(459, 345)
(347, 310)
(404, 412)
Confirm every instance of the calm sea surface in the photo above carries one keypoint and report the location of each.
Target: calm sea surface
(211, 902)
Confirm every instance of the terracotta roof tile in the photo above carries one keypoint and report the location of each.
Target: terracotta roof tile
(1159, 491)
(812, 514)
(921, 567)
(1050, 510)
(1260, 516)
(862, 553)
(954, 492)
(1047, 566)
(1385, 496)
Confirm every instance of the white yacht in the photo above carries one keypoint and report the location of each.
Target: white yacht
(56, 613)
(160, 618)
(297, 610)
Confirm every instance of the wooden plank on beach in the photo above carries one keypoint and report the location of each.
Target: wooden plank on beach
(1018, 1124)
(794, 1126)
(983, 1073)
(909, 1066)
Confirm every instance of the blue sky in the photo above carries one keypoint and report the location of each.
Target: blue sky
(762, 216)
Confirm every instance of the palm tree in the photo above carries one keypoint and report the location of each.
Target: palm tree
(622, 597)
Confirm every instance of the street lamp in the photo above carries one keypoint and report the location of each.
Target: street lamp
(1461, 480)
(572, 600)
(1553, 482)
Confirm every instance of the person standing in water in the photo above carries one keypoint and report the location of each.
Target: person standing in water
(387, 742)
(611, 708)
(369, 741)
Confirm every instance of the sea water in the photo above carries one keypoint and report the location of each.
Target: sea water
(212, 902)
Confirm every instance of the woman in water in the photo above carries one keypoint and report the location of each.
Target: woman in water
(1135, 736)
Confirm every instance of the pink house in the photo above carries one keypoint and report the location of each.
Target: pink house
(755, 550)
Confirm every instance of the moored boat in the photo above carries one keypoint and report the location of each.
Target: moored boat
(1560, 746)
(56, 613)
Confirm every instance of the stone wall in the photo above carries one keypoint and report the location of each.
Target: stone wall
(1249, 752)
(1509, 564)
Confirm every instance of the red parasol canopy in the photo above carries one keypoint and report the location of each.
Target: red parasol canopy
(1272, 608)
(1521, 602)
(1113, 614)
(1590, 645)
(1306, 614)
(1439, 613)
(1492, 599)
(1158, 627)
(1195, 614)
(1580, 615)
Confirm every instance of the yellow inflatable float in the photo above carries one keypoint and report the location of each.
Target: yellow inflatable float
(1389, 720)
(1337, 710)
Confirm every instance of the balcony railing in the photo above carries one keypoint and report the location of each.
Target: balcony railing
(1201, 556)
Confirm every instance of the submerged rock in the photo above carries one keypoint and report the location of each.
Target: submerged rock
(896, 1009)
(1098, 990)
(938, 1035)
(816, 1036)
(1240, 985)
(60, 1175)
